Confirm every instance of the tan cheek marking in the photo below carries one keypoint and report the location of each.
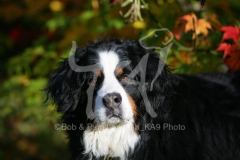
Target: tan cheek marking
(133, 105)
(119, 71)
(98, 73)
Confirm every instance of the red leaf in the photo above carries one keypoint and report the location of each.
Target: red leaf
(233, 61)
(230, 32)
(228, 48)
(224, 47)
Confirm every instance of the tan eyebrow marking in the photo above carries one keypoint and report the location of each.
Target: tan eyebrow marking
(98, 73)
(119, 71)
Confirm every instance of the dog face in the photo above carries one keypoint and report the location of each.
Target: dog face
(115, 96)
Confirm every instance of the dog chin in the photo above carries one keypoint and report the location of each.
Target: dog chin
(114, 120)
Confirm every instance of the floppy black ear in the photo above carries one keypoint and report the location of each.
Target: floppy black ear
(64, 86)
(157, 71)
(156, 77)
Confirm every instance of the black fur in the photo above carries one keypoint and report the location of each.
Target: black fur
(208, 105)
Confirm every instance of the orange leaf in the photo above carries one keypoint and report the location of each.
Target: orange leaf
(177, 32)
(191, 23)
(184, 23)
(202, 26)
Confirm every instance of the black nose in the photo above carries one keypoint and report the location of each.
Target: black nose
(112, 100)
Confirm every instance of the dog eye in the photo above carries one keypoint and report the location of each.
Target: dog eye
(124, 79)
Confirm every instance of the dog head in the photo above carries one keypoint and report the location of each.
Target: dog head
(113, 90)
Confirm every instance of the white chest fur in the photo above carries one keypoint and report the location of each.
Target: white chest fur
(114, 141)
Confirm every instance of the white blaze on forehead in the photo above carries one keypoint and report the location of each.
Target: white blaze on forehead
(109, 61)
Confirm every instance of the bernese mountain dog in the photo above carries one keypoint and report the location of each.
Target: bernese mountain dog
(126, 104)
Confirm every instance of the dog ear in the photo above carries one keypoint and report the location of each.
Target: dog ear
(155, 76)
(65, 85)
(157, 70)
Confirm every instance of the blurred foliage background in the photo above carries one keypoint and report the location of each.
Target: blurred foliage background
(35, 35)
